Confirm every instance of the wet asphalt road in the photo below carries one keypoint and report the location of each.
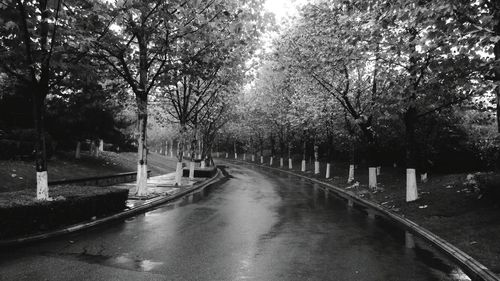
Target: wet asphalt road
(257, 225)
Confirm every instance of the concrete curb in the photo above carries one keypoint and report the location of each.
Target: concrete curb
(124, 214)
(473, 268)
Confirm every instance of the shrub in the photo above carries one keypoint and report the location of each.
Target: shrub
(21, 214)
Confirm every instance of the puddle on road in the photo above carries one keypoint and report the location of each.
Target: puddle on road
(123, 261)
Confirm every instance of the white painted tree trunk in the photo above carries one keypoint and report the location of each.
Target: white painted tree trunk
(328, 167)
(372, 177)
(423, 177)
(101, 145)
(271, 161)
(262, 160)
(379, 170)
(78, 150)
(290, 166)
(202, 165)
(227, 155)
(303, 167)
(142, 180)
(178, 174)
(191, 170)
(218, 156)
(244, 156)
(411, 185)
(316, 167)
(253, 158)
(42, 186)
(351, 174)
(172, 148)
(235, 155)
(281, 162)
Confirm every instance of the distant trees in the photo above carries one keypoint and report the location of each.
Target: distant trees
(377, 74)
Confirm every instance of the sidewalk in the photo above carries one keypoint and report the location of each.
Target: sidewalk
(159, 186)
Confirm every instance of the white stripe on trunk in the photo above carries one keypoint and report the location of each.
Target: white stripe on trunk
(142, 180)
(281, 162)
(271, 161)
(178, 174)
(351, 174)
(262, 160)
(42, 186)
(191, 170)
(379, 170)
(316, 167)
(290, 163)
(372, 177)
(303, 167)
(411, 185)
(235, 155)
(328, 167)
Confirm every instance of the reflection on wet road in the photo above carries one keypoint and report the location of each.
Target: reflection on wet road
(256, 225)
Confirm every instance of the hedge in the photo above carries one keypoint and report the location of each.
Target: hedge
(21, 214)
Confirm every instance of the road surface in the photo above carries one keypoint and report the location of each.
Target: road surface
(256, 225)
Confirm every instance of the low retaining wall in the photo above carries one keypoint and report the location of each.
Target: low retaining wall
(121, 215)
(200, 172)
(100, 180)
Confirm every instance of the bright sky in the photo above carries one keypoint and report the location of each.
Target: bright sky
(283, 8)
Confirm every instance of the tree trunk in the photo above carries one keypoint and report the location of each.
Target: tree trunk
(192, 157)
(350, 178)
(330, 157)
(172, 148)
(235, 151)
(411, 157)
(316, 158)
(180, 155)
(290, 164)
(42, 186)
(304, 147)
(496, 51)
(142, 155)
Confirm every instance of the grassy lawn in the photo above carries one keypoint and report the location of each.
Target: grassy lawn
(18, 174)
(446, 206)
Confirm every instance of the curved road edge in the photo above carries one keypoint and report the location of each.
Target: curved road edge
(472, 267)
(122, 215)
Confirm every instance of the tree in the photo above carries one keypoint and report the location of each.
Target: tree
(53, 36)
